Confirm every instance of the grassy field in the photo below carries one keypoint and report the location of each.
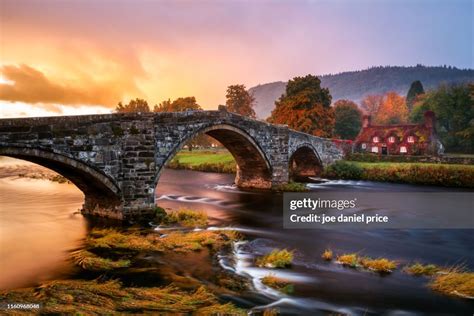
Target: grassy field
(198, 157)
(204, 160)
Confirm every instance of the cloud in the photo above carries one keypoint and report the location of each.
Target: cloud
(26, 84)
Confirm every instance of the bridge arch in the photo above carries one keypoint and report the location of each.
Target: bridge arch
(304, 162)
(99, 190)
(253, 167)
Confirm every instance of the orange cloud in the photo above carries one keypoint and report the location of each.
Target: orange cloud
(30, 85)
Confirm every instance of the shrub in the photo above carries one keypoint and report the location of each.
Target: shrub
(276, 259)
(343, 170)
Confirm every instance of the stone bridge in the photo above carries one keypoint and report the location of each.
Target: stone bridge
(116, 159)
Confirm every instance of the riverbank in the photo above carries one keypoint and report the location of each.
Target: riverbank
(437, 174)
(448, 175)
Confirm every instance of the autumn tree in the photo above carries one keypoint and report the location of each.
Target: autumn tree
(178, 105)
(137, 105)
(371, 103)
(454, 109)
(348, 119)
(415, 90)
(181, 105)
(393, 110)
(305, 107)
(240, 101)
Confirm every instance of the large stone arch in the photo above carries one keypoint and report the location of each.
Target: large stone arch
(253, 167)
(304, 162)
(99, 190)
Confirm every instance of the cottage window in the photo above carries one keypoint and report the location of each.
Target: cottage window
(403, 150)
(375, 149)
(411, 139)
(391, 139)
(364, 145)
(375, 139)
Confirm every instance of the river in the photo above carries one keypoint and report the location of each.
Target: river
(39, 224)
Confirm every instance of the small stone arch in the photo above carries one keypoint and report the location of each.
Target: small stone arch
(99, 190)
(304, 162)
(253, 167)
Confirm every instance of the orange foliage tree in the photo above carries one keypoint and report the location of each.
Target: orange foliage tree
(371, 103)
(393, 110)
(305, 107)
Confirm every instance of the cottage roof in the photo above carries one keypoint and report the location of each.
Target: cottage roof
(401, 131)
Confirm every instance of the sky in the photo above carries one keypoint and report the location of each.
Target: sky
(63, 57)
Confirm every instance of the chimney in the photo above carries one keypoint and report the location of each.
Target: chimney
(366, 120)
(430, 120)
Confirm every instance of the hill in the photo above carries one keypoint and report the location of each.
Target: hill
(354, 85)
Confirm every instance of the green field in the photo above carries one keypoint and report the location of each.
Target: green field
(198, 157)
(204, 160)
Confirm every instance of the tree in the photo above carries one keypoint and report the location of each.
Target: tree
(181, 105)
(178, 105)
(415, 90)
(371, 103)
(137, 105)
(305, 106)
(348, 119)
(240, 101)
(454, 109)
(393, 110)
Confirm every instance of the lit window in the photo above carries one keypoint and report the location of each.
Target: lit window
(364, 145)
(391, 139)
(375, 139)
(411, 139)
(403, 150)
(375, 149)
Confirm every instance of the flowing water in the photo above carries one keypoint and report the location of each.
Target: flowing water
(39, 225)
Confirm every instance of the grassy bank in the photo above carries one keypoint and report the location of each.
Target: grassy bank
(449, 175)
(204, 160)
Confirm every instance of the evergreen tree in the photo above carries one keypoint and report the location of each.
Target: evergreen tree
(305, 107)
(415, 90)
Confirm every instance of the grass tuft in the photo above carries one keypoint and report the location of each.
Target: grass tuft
(420, 269)
(381, 265)
(327, 255)
(89, 261)
(279, 284)
(456, 282)
(291, 187)
(276, 259)
(187, 218)
(350, 260)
